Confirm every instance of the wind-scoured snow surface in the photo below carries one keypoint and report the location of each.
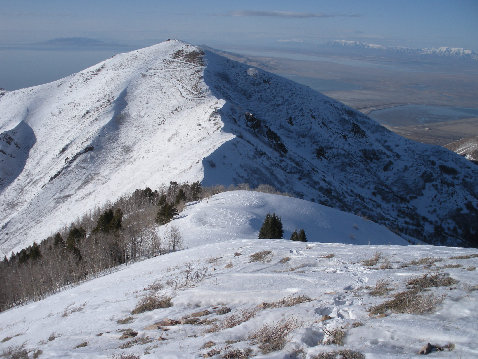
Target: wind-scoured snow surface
(173, 112)
(222, 295)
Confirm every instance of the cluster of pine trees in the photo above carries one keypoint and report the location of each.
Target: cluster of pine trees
(121, 233)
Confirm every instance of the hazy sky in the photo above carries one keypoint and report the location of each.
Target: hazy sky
(26, 25)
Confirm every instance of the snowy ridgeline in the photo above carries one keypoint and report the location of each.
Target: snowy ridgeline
(176, 112)
(227, 295)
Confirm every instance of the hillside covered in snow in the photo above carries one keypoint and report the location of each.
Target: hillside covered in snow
(231, 295)
(176, 112)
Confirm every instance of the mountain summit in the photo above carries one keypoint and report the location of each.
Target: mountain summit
(177, 112)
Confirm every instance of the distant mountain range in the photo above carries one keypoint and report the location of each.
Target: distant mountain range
(177, 112)
(454, 52)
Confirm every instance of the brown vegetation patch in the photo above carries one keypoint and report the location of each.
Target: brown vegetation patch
(335, 336)
(434, 280)
(339, 354)
(136, 341)
(262, 256)
(469, 256)
(128, 333)
(286, 302)
(81, 345)
(381, 288)
(411, 301)
(372, 261)
(233, 320)
(152, 302)
(125, 320)
(272, 337)
(237, 354)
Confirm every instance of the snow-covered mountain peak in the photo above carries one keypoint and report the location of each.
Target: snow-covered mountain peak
(176, 112)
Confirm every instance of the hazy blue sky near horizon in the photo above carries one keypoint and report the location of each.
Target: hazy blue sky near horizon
(120, 25)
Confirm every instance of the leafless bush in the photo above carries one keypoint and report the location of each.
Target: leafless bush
(469, 256)
(339, 354)
(287, 302)
(411, 301)
(233, 320)
(81, 345)
(125, 320)
(273, 337)
(136, 341)
(262, 256)
(426, 262)
(328, 256)
(125, 356)
(284, 260)
(152, 302)
(470, 269)
(372, 261)
(381, 288)
(237, 354)
(335, 336)
(15, 353)
(434, 280)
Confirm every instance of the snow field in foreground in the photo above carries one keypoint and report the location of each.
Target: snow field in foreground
(221, 297)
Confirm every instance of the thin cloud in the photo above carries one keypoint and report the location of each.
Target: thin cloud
(284, 14)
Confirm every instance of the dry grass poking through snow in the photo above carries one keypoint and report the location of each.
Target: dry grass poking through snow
(339, 354)
(152, 302)
(411, 301)
(263, 256)
(287, 302)
(372, 261)
(381, 288)
(233, 320)
(273, 337)
(434, 280)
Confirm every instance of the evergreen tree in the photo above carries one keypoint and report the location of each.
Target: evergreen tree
(294, 236)
(302, 237)
(272, 227)
(166, 213)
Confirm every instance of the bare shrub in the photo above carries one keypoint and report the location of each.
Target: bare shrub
(386, 264)
(381, 288)
(208, 345)
(335, 336)
(426, 262)
(469, 256)
(128, 333)
(262, 256)
(339, 354)
(273, 337)
(284, 260)
(136, 341)
(434, 280)
(233, 320)
(372, 261)
(328, 256)
(152, 302)
(457, 265)
(125, 320)
(15, 353)
(81, 345)
(287, 302)
(125, 356)
(470, 269)
(410, 301)
(37, 353)
(357, 324)
(237, 354)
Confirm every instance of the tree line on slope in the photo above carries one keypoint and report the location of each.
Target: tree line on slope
(121, 233)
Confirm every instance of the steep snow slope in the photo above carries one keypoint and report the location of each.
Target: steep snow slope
(221, 296)
(174, 112)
